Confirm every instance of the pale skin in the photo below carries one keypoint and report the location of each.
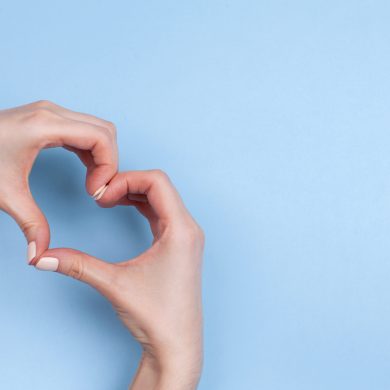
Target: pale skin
(27, 129)
(157, 295)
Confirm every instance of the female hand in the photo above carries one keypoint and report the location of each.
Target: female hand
(24, 131)
(157, 295)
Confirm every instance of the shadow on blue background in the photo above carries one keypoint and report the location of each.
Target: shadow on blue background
(57, 185)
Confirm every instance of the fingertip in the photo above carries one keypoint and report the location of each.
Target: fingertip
(38, 242)
(31, 251)
(110, 195)
(53, 259)
(100, 193)
(97, 180)
(78, 265)
(47, 264)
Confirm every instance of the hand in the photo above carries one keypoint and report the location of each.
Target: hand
(24, 131)
(157, 295)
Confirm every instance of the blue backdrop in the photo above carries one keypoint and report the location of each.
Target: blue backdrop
(272, 119)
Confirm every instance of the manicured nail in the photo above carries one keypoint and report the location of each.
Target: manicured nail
(98, 191)
(31, 251)
(101, 193)
(47, 264)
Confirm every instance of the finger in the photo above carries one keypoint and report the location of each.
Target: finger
(85, 137)
(78, 265)
(84, 155)
(87, 159)
(32, 222)
(141, 203)
(151, 185)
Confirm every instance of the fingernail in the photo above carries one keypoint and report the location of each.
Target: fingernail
(31, 251)
(101, 193)
(47, 264)
(98, 191)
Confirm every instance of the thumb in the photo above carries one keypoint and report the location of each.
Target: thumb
(79, 265)
(33, 223)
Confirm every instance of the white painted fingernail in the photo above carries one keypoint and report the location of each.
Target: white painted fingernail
(98, 191)
(47, 264)
(101, 193)
(31, 251)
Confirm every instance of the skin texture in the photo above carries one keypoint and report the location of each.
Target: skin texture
(157, 295)
(27, 129)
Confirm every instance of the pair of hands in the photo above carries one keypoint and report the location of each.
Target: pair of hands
(157, 295)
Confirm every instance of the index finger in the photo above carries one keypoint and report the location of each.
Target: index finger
(154, 184)
(58, 131)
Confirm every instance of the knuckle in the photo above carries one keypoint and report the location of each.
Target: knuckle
(76, 269)
(39, 114)
(104, 135)
(43, 103)
(159, 175)
(111, 127)
(27, 226)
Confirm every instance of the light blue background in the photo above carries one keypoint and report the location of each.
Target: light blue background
(272, 118)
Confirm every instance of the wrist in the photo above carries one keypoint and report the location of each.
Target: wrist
(179, 372)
